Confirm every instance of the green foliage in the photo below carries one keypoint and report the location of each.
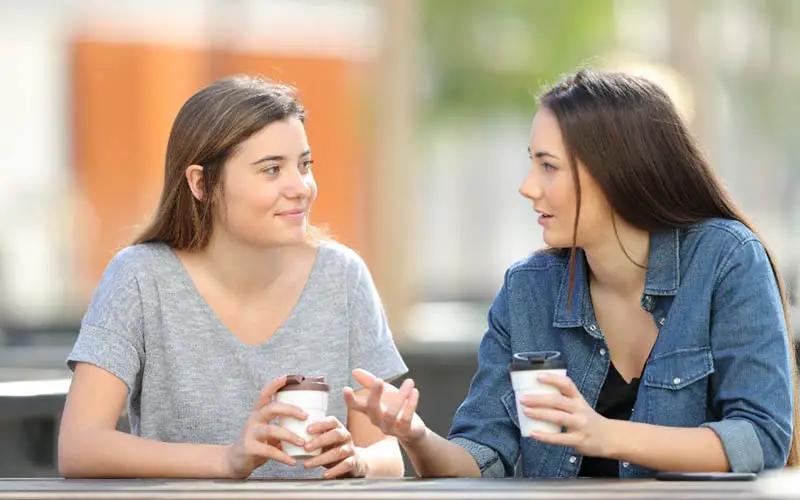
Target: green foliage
(489, 55)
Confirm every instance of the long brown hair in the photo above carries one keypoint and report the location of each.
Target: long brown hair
(631, 139)
(207, 130)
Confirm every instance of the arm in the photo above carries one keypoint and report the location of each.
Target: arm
(669, 449)
(752, 387)
(435, 456)
(90, 446)
(482, 425)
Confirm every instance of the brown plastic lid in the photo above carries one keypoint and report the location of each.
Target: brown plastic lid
(301, 383)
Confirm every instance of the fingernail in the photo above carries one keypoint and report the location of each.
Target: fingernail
(542, 377)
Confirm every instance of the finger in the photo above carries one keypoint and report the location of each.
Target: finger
(407, 415)
(552, 401)
(274, 410)
(264, 450)
(375, 408)
(330, 439)
(363, 377)
(393, 409)
(354, 402)
(330, 457)
(559, 418)
(561, 382)
(275, 433)
(323, 426)
(557, 438)
(346, 468)
(269, 390)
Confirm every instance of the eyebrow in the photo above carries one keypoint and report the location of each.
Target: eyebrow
(307, 152)
(542, 154)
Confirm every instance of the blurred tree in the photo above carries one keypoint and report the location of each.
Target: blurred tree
(482, 55)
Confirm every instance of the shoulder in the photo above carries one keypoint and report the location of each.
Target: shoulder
(337, 258)
(721, 232)
(133, 262)
(719, 239)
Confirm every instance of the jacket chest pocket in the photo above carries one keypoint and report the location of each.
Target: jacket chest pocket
(677, 385)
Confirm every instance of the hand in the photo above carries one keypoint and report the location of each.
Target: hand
(389, 409)
(339, 454)
(585, 427)
(261, 438)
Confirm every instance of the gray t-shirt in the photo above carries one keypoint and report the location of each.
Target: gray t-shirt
(191, 380)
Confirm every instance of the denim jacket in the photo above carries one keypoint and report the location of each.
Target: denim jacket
(721, 359)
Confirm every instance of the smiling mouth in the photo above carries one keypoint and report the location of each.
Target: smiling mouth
(292, 213)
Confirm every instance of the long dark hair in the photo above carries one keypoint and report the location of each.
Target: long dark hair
(631, 139)
(207, 130)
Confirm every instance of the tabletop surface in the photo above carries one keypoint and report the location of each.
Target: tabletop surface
(786, 485)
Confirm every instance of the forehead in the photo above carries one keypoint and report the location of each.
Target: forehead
(546, 133)
(284, 138)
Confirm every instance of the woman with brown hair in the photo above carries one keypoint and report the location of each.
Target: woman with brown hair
(228, 289)
(662, 300)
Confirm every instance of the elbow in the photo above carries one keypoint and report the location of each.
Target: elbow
(384, 459)
(68, 467)
(752, 447)
(73, 462)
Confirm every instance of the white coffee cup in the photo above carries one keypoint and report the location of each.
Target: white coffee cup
(310, 394)
(525, 369)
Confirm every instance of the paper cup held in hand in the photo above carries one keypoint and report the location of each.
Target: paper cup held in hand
(525, 369)
(311, 395)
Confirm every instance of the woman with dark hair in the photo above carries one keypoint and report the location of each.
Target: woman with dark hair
(662, 300)
(225, 292)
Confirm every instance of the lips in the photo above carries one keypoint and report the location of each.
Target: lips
(296, 211)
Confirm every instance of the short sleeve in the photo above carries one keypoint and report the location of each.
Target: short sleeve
(372, 347)
(111, 333)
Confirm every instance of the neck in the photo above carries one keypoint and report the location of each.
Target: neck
(618, 264)
(245, 270)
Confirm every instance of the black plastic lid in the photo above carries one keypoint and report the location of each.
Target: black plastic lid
(540, 360)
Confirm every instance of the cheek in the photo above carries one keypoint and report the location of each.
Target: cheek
(250, 199)
(560, 193)
(312, 187)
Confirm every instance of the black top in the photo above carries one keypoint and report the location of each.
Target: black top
(616, 401)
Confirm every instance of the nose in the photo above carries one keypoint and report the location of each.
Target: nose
(297, 185)
(530, 187)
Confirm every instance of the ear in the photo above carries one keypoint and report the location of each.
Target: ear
(194, 177)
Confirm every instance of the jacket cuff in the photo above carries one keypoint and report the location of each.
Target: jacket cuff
(487, 459)
(741, 444)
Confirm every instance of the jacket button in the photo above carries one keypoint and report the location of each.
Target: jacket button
(625, 464)
(573, 459)
(676, 380)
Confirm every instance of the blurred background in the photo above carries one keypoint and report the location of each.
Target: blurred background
(418, 113)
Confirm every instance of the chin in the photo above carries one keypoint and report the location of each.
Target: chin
(556, 241)
(291, 238)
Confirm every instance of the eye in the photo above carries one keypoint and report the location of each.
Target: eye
(271, 170)
(549, 167)
(305, 165)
